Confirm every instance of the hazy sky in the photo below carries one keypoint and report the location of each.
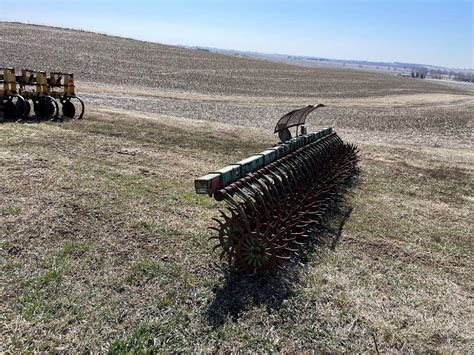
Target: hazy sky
(438, 32)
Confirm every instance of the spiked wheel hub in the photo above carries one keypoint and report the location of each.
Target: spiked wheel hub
(255, 253)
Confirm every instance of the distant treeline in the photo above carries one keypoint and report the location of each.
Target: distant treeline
(417, 70)
(421, 73)
(453, 75)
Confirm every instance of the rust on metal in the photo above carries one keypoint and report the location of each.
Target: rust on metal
(269, 213)
(295, 117)
(270, 210)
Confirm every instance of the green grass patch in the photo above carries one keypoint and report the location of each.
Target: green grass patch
(40, 302)
(133, 187)
(44, 297)
(51, 278)
(144, 226)
(142, 271)
(155, 337)
(145, 269)
(10, 211)
(140, 342)
(38, 308)
(73, 249)
(154, 134)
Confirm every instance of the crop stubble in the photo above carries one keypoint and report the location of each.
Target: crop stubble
(104, 243)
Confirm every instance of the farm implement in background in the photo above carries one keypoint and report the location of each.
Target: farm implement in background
(36, 95)
(274, 198)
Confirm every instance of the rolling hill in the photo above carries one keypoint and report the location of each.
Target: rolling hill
(105, 246)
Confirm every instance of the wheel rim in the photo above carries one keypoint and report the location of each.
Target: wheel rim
(27, 108)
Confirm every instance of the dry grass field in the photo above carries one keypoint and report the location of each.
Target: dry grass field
(104, 244)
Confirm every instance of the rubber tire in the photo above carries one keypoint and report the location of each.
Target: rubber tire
(10, 111)
(69, 110)
(22, 107)
(44, 109)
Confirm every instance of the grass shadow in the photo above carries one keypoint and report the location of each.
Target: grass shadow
(241, 292)
(34, 119)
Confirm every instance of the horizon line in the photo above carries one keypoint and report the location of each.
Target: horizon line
(192, 47)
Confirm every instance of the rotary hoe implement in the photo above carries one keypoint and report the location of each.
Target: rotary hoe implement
(274, 199)
(36, 95)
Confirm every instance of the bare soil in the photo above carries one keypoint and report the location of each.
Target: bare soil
(104, 244)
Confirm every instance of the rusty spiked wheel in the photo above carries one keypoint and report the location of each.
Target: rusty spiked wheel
(245, 248)
(230, 230)
(269, 214)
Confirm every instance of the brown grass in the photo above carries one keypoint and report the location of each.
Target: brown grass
(104, 243)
